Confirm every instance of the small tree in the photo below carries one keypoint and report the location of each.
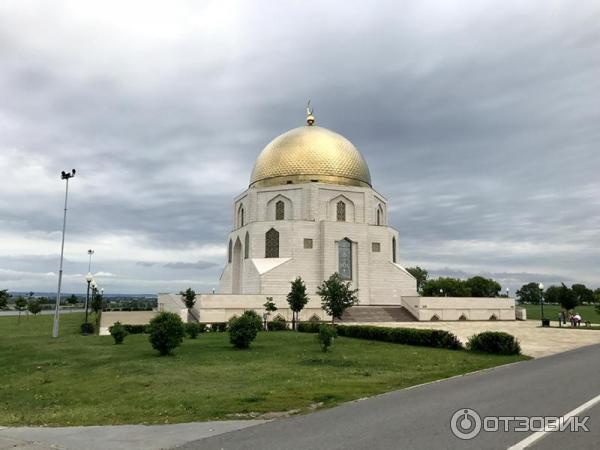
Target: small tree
(4, 296)
(270, 306)
(420, 274)
(483, 287)
(297, 299)
(567, 298)
(243, 329)
(325, 336)
(336, 296)
(166, 332)
(529, 293)
(118, 332)
(193, 329)
(20, 305)
(97, 305)
(34, 307)
(72, 299)
(189, 297)
(583, 294)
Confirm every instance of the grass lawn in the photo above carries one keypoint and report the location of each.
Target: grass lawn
(85, 380)
(587, 312)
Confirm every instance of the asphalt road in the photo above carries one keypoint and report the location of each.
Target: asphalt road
(419, 418)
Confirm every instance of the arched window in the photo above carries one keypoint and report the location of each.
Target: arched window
(345, 259)
(279, 210)
(341, 211)
(272, 244)
(378, 216)
(463, 317)
(394, 249)
(247, 246)
(240, 217)
(229, 251)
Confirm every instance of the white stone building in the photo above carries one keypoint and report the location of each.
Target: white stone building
(310, 211)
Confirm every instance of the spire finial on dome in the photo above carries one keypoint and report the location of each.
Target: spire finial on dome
(310, 119)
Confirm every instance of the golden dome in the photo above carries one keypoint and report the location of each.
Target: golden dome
(310, 153)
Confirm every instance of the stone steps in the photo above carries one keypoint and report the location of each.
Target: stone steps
(377, 314)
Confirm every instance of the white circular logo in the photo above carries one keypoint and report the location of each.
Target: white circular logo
(465, 423)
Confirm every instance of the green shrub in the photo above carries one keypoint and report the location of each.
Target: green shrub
(166, 332)
(218, 326)
(325, 336)
(136, 329)
(496, 342)
(255, 318)
(87, 328)
(243, 330)
(309, 327)
(278, 324)
(408, 336)
(192, 329)
(118, 332)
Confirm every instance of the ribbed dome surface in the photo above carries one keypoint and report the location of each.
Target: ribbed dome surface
(310, 153)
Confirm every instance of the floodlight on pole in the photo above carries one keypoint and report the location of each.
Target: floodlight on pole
(64, 176)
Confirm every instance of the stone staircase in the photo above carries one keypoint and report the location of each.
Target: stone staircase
(377, 314)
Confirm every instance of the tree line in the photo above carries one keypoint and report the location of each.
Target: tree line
(478, 286)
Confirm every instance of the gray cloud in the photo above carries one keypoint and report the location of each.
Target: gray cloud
(200, 265)
(478, 121)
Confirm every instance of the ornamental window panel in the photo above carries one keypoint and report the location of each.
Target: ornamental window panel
(279, 210)
(272, 244)
(375, 247)
(345, 259)
(247, 246)
(229, 251)
(308, 243)
(394, 249)
(341, 211)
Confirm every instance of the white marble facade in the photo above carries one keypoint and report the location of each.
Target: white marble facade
(284, 231)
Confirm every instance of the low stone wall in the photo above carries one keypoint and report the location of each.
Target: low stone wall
(109, 318)
(222, 307)
(460, 308)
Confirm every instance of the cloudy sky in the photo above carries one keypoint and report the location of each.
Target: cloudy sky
(480, 122)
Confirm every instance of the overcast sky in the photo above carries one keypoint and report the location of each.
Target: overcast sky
(480, 122)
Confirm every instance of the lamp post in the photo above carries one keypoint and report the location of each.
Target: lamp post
(441, 292)
(64, 176)
(541, 287)
(507, 292)
(88, 278)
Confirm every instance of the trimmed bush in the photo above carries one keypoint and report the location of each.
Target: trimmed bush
(192, 329)
(243, 329)
(218, 326)
(277, 324)
(325, 336)
(118, 332)
(136, 329)
(166, 332)
(255, 318)
(496, 342)
(87, 328)
(309, 327)
(408, 336)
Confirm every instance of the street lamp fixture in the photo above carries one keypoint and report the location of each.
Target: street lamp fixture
(88, 278)
(63, 176)
(545, 322)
